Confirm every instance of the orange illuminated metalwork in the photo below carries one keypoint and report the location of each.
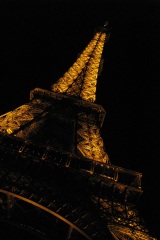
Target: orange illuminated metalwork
(91, 146)
(53, 161)
(81, 78)
(80, 81)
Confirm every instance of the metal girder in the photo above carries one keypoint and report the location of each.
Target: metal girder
(107, 172)
(25, 173)
(14, 121)
(43, 190)
(45, 194)
(122, 219)
(90, 143)
(74, 103)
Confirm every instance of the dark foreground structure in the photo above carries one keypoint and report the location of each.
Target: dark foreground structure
(56, 180)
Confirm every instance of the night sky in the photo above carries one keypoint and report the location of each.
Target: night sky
(40, 40)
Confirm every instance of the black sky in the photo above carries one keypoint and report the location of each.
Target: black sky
(40, 39)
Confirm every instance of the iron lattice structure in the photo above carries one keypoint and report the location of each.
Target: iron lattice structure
(56, 179)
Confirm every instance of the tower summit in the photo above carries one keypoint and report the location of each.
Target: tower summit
(56, 179)
(81, 78)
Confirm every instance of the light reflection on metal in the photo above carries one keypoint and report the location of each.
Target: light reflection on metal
(121, 232)
(13, 121)
(123, 219)
(81, 78)
(90, 143)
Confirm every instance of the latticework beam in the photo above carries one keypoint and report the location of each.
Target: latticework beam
(81, 78)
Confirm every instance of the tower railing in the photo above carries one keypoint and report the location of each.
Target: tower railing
(105, 172)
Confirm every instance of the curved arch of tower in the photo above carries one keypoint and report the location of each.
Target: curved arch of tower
(56, 179)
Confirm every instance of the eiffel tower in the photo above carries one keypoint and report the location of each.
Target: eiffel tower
(56, 179)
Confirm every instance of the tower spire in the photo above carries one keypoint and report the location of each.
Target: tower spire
(81, 78)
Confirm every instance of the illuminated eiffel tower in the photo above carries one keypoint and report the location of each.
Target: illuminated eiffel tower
(56, 179)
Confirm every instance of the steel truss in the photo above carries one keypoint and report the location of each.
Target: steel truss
(56, 180)
(35, 175)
